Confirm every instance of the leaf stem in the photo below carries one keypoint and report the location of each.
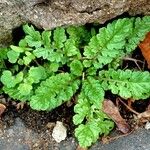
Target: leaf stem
(36, 62)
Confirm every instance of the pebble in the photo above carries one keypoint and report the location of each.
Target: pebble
(59, 132)
(147, 125)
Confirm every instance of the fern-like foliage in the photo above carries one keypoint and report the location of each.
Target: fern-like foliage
(22, 85)
(127, 84)
(141, 26)
(54, 91)
(108, 43)
(47, 68)
(89, 108)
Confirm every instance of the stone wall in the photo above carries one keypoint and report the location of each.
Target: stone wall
(49, 14)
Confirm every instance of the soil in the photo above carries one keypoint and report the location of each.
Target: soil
(33, 129)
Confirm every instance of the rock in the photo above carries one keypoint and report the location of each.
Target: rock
(49, 14)
(147, 125)
(59, 132)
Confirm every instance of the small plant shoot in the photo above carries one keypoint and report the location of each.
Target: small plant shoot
(46, 69)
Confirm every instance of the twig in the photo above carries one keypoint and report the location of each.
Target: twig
(134, 60)
(135, 112)
(36, 62)
(83, 76)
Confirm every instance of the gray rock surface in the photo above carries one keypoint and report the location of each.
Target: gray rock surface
(49, 14)
(139, 140)
(20, 137)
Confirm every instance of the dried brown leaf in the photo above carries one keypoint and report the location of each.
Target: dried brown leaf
(145, 48)
(144, 117)
(2, 109)
(112, 111)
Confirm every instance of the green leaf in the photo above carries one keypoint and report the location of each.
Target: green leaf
(54, 67)
(87, 63)
(24, 88)
(89, 110)
(59, 38)
(42, 52)
(70, 48)
(46, 38)
(7, 79)
(76, 67)
(17, 49)
(91, 94)
(3, 53)
(37, 74)
(107, 45)
(15, 94)
(79, 34)
(23, 43)
(53, 92)
(55, 57)
(82, 109)
(87, 134)
(93, 91)
(127, 84)
(3, 57)
(29, 30)
(33, 42)
(12, 56)
(141, 27)
(28, 58)
(19, 77)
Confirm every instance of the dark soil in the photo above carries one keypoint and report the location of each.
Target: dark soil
(37, 120)
(38, 124)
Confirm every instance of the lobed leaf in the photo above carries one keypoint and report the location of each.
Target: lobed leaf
(42, 52)
(92, 94)
(89, 133)
(59, 37)
(46, 39)
(127, 84)
(12, 56)
(88, 110)
(24, 88)
(140, 27)
(70, 48)
(76, 67)
(107, 45)
(53, 92)
(15, 94)
(37, 74)
(29, 30)
(8, 79)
